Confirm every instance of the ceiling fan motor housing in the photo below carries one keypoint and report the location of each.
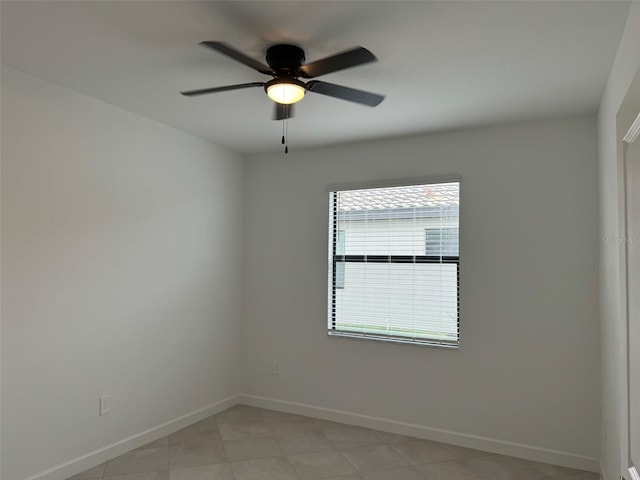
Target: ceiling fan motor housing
(285, 59)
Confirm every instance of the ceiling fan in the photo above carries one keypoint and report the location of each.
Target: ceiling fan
(286, 64)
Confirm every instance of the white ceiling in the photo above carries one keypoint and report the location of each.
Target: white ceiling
(443, 65)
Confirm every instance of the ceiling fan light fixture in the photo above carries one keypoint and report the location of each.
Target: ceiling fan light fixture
(285, 90)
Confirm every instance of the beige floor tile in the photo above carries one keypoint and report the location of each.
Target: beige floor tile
(580, 476)
(160, 443)
(455, 470)
(371, 458)
(251, 448)
(387, 437)
(189, 454)
(348, 436)
(248, 443)
(204, 431)
(287, 427)
(91, 473)
(138, 461)
(463, 452)
(158, 475)
(551, 470)
(240, 413)
(305, 442)
(275, 416)
(499, 467)
(221, 471)
(321, 465)
(327, 425)
(237, 431)
(276, 468)
(420, 452)
(405, 473)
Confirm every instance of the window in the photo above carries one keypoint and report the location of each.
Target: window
(394, 263)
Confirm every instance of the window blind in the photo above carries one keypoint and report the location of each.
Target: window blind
(394, 263)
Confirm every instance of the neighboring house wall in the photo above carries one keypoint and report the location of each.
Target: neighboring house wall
(356, 231)
(613, 322)
(121, 246)
(527, 371)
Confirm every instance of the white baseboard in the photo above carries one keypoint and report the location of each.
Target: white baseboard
(68, 469)
(492, 445)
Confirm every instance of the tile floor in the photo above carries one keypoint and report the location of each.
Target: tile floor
(247, 443)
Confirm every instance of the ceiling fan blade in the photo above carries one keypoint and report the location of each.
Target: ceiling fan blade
(345, 93)
(350, 58)
(231, 52)
(281, 111)
(205, 91)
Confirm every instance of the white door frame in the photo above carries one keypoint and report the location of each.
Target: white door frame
(632, 135)
(628, 132)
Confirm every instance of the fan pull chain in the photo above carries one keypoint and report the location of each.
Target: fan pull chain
(285, 133)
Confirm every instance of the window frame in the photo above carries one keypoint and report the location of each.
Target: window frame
(334, 258)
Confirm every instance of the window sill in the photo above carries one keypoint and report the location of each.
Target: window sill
(406, 341)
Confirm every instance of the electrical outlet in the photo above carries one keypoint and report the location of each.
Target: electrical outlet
(105, 404)
(276, 367)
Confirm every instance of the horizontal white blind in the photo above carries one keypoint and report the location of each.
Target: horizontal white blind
(393, 263)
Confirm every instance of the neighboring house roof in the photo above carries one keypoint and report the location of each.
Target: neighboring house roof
(415, 201)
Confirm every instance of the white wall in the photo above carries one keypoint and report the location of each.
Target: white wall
(528, 369)
(613, 332)
(121, 241)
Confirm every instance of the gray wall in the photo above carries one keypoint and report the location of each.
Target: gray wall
(527, 371)
(121, 240)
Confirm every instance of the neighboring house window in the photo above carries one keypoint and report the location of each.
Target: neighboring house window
(441, 241)
(394, 263)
